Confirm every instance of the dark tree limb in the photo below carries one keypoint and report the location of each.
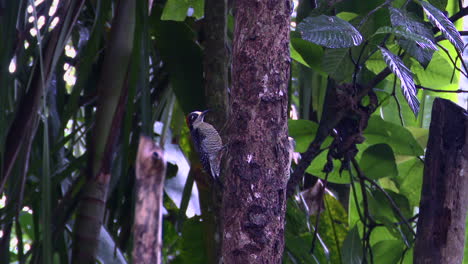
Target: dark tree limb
(150, 174)
(444, 199)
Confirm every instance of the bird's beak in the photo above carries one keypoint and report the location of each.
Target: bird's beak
(204, 113)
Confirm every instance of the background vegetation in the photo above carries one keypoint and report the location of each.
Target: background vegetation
(82, 79)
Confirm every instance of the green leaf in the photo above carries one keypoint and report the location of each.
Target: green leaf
(422, 41)
(410, 180)
(438, 73)
(303, 132)
(399, 18)
(387, 251)
(193, 247)
(397, 66)
(378, 161)
(351, 252)
(333, 227)
(440, 4)
(175, 10)
(183, 58)
(329, 31)
(399, 138)
(178, 10)
(337, 63)
(307, 53)
(439, 20)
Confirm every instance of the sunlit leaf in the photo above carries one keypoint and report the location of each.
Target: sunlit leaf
(439, 20)
(329, 31)
(399, 138)
(408, 88)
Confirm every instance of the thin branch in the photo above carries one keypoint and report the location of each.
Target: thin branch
(451, 60)
(389, 198)
(400, 114)
(441, 91)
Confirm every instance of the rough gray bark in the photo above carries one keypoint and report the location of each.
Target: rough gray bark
(147, 228)
(254, 196)
(444, 200)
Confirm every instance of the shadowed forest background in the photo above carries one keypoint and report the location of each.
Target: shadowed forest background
(81, 80)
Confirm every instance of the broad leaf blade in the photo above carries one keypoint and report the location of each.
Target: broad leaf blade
(351, 252)
(401, 32)
(378, 161)
(439, 20)
(330, 32)
(401, 19)
(397, 66)
(337, 63)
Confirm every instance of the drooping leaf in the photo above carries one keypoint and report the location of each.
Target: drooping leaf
(388, 251)
(440, 4)
(401, 32)
(330, 32)
(438, 73)
(337, 64)
(408, 88)
(399, 18)
(410, 179)
(439, 20)
(399, 138)
(378, 161)
(307, 53)
(351, 252)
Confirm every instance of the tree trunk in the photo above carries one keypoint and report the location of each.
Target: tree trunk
(254, 196)
(147, 227)
(444, 200)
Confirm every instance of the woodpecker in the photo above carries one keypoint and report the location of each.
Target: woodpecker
(207, 142)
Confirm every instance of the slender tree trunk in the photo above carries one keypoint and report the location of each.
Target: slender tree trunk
(254, 196)
(444, 201)
(215, 65)
(147, 227)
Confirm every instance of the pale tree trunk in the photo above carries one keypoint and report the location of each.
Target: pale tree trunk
(444, 200)
(254, 195)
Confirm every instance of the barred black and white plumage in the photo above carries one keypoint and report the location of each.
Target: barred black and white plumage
(207, 142)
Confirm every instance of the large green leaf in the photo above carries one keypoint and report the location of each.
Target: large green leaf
(337, 63)
(193, 247)
(178, 10)
(439, 73)
(387, 251)
(183, 58)
(401, 32)
(440, 4)
(408, 88)
(409, 180)
(351, 252)
(307, 53)
(378, 161)
(399, 18)
(439, 20)
(399, 138)
(330, 32)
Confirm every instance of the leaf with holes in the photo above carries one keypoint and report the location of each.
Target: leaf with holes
(439, 20)
(397, 66)
(330, 32)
